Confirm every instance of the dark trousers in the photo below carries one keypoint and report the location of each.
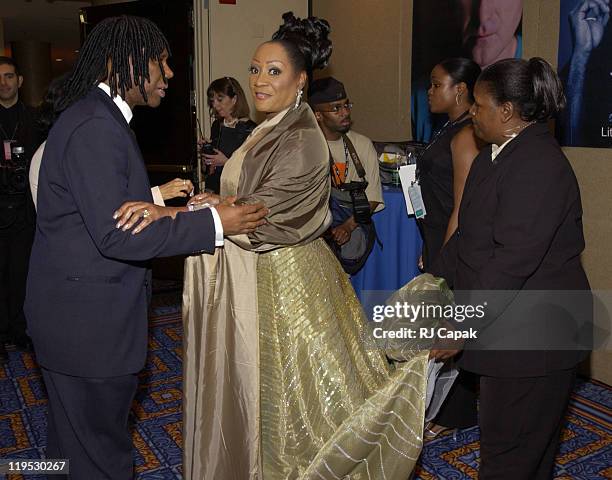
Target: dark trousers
(15, 246)
(520, 425)
(87, 424)
(459, 409)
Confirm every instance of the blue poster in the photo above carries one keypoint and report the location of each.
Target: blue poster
(483, 30)
(585, 67)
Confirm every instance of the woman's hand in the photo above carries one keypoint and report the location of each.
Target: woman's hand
(176, 188)
(143, 213)
(206, 197)
(217, 160)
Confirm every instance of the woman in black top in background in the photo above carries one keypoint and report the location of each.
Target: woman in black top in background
(230, 109)
(445, 164)
(442, 170)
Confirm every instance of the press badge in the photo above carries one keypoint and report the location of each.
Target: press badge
(414, 192)
(7, 150)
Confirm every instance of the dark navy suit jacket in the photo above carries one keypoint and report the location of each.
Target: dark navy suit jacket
(86, 302)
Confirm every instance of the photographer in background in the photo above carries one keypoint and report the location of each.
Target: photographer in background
(19, 138)
(354, 171)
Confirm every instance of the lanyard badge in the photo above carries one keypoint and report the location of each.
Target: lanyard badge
(414, 192)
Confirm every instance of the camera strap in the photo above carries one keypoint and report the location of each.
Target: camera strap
(353, 153)
(337, 177)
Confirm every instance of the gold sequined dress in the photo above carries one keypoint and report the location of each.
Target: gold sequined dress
(277, 381)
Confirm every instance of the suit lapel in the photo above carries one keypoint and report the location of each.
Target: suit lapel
(113, 109)
(483, 167)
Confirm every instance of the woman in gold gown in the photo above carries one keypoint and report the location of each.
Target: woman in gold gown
(278, 383)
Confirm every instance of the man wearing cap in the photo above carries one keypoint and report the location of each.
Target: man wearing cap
(331, 107)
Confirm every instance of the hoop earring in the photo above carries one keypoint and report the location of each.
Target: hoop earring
(457, 97)
(298, 98)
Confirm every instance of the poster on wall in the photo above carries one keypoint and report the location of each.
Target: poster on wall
(585, 67)
(483, 30)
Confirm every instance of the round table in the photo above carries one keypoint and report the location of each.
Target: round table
(395, 263)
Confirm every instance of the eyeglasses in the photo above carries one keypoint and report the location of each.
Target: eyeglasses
(337, 108)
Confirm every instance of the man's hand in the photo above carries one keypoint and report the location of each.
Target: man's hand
(176, 188)
(342, 233)
(588, 21)
(445, 348)
(143, 213)
(237, 219)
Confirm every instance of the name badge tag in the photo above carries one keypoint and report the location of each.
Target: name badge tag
(7, 150)
(414, 192)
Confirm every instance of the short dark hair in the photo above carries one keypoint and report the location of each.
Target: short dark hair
(532, 86)
(462, 70)
(231, 87)
(10, 61)
(121, 40)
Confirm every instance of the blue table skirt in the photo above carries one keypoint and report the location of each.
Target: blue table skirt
(395, 264)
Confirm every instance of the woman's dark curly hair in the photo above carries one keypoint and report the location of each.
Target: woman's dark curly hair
(306, 42)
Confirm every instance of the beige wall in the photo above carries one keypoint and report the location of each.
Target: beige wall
(371, 56)
(372, 49)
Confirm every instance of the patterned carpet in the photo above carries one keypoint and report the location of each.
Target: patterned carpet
(586, 450)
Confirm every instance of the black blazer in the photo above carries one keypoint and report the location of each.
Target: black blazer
(520, 230)
(86, 301)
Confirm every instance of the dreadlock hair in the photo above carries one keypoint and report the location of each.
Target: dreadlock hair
(120, 40)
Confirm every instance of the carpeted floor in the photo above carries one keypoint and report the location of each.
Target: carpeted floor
(586, 450)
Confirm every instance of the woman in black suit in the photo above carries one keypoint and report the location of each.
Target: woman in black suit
(520, 237)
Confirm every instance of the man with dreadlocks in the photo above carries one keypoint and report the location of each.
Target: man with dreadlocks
(86, 299)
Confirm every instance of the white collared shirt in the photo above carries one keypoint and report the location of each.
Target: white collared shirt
(496, 150)
(120, 102)
(126, 111)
